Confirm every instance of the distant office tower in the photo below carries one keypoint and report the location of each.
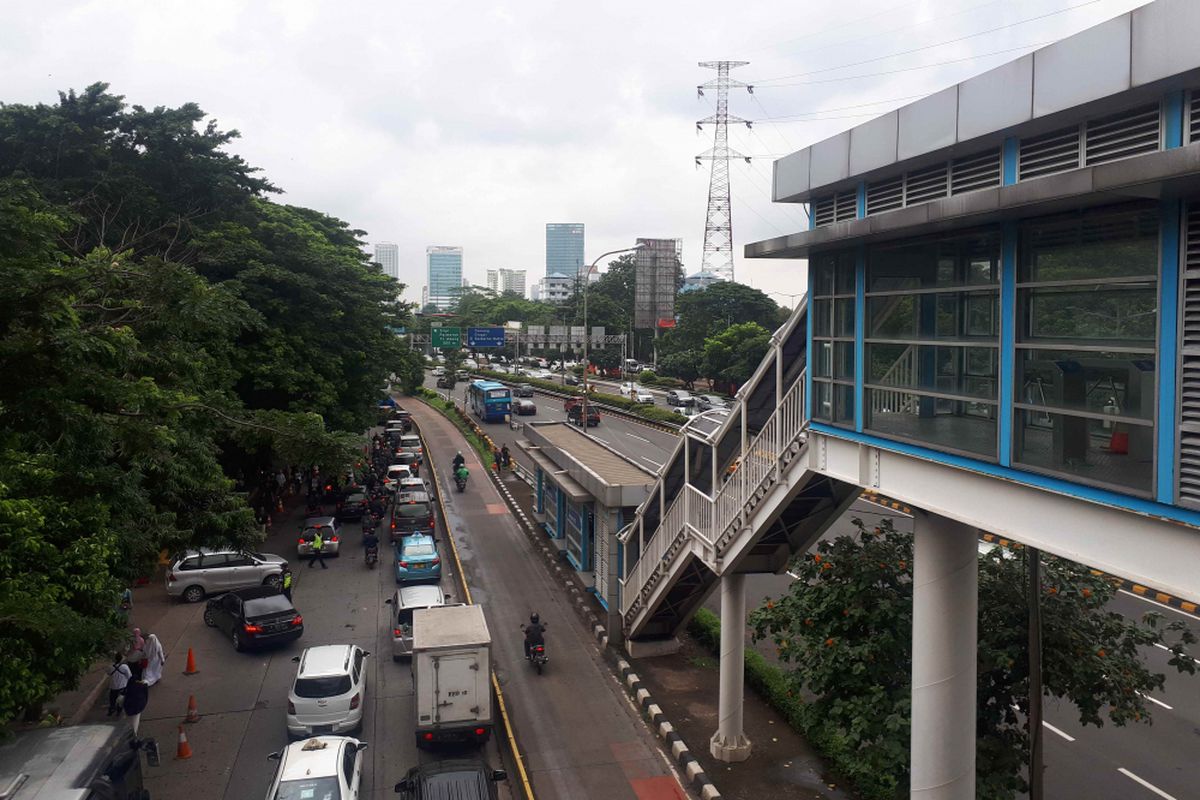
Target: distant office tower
(424, 297)
(387, 255)
(535, 291)
(502, 281)
(564, 248)
(493, 280)
(444, 266)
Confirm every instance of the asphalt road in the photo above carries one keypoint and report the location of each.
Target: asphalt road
(243, 696)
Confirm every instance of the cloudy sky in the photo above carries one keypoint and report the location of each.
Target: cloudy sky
(475, 123)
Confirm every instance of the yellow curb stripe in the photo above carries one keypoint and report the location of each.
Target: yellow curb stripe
(1138, 589)
(1163, 598)
(1188, 607)
(462, 579)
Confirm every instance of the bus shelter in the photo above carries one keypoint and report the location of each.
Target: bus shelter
(584, 493)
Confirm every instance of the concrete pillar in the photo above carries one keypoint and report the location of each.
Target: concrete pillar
(944, 631)
(729, 743)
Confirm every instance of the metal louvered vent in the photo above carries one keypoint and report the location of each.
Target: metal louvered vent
(1049, 153)
(845, 206)
(885, 195)
(1189, 362)
(927, 184)
(1118, 136)
(1194, 116)
(822, 209)
(980, 171)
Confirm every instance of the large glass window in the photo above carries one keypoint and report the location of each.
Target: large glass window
(1087, 299)
(833, 338)
(932, 341)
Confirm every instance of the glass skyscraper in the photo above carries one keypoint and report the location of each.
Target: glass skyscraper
(387, 255)
(444, 267)
(564, 248)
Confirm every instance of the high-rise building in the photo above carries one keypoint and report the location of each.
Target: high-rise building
(556, 287)
(444, 266)
(502, 281)
(387, 255)
(564, 248)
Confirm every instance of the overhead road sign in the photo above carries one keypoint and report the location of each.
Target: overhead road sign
(485, 337)
(446, 337)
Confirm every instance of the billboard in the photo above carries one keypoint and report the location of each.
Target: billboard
(656, 270)
(446, 337)
(485, 337)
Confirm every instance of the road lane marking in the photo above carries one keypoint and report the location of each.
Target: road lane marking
(1053, 729)
(1157, 701)
(598, 439)
(651, 460)
(640, 438)
(1145, 783)
(1162, 646)
(1155, 602)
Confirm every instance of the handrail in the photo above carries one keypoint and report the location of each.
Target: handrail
(653, 551)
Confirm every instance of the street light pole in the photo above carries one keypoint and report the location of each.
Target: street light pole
(587, 279)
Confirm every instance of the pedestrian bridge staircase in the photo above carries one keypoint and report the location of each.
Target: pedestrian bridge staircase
(736, 496)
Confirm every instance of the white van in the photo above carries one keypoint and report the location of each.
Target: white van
(329, 693)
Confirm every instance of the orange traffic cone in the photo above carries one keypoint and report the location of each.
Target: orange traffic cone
(193, 714)
(190, 669)
(279, 505)
(184, 750)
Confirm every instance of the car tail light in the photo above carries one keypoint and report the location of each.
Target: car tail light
(291, 707)
(300, 540)
(333, 539)
(480, 731)
(397, 632)
(435, 562)
(404, 564)
(431, 523)
(540, 648)
(429, 737)
(393, 524)
(297, 620)
(251, 628)
(171, 577)
(354, 701)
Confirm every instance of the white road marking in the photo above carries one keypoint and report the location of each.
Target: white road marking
(1161, 605)
(1162, 646)
(793, 575)
(1145, 783)
(635, 436)
(1156, 701)
(651, 460)
(1053, 729)
(598, 439)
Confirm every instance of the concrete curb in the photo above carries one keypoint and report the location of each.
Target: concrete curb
(639, 695)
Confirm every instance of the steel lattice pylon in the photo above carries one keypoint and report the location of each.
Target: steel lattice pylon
(718, 223)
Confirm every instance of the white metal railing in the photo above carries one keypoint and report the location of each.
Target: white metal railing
(902, 373)
(699, 512)
(653, 551)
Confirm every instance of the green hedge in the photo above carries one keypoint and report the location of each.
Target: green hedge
(774, 686)
(646, 412)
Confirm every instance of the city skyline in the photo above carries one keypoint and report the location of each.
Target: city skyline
(387, 255)
(444, 275)
(565, 242)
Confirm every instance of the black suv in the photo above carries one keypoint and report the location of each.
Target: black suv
(250, 617)
(412, 513)
(522, 390)
(574, 412)
(466, 779)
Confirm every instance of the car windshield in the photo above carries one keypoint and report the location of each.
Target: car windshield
(410, 441)
(325, 530)
(419, 550)
(309, 789)
(412, 510)
(271, 604)
(357, 497)
(324, 686)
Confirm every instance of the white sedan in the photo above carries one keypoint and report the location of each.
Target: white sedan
(323, 766)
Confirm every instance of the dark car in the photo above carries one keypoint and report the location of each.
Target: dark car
(575, 411)
(353, 506)
(522, 390)
(463, 779)
(445, 382)
(412, 513)
(524, 407)
(253, 617)
(571, 379)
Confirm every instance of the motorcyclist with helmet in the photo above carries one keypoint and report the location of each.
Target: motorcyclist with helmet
(535, 633)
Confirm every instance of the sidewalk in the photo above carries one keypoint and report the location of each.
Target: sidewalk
(686, 686)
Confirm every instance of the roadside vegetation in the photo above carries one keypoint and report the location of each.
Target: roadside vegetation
(843, 638)
(169, 336)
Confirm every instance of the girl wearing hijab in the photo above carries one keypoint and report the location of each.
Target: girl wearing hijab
(155, 659)
(139, 643)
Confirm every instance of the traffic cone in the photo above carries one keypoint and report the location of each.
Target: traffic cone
(279, 505)
(193, 714)
(190, 669)
(184, 750)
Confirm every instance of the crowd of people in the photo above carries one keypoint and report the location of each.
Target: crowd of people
(131, 675)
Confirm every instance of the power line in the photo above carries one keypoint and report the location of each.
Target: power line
(932, 46)
(717, 256)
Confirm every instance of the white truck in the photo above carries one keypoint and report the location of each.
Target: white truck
(452, 675)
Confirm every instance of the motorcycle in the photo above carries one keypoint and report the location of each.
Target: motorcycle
(372, 556)
(537, 654)
(460, 483)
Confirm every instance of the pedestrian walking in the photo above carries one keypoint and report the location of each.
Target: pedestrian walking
(156, 659)
(317, 551)
(285, 583)
(139, 642)
(137, 695)
(496, 460)
(280, 482)
(505, 457)
(118, 678)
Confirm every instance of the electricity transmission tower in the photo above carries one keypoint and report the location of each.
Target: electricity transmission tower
(718, 224)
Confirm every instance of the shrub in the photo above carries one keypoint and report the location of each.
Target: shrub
(648, 377)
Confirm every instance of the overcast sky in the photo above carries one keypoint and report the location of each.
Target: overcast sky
(474, 124)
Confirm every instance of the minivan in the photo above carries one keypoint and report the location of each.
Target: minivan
(412, 513)
(678, 397)
(404, 602)
(196, 573)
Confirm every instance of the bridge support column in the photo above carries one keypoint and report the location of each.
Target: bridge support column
(729, 743)
(944, 631)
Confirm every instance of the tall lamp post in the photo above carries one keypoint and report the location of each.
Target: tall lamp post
(587, 279)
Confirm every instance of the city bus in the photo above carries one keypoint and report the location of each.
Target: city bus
(489, 400)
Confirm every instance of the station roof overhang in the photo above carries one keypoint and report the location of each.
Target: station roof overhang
(599, 472)
(1165, 175)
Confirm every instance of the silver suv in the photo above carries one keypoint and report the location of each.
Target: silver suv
(196, 573)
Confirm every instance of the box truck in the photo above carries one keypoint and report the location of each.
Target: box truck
(451, 668)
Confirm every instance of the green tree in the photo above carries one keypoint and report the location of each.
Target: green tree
(844, 631)
(685, 365)
(707, 312)
(732, 355)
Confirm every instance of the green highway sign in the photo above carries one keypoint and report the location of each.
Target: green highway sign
(446, 337)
